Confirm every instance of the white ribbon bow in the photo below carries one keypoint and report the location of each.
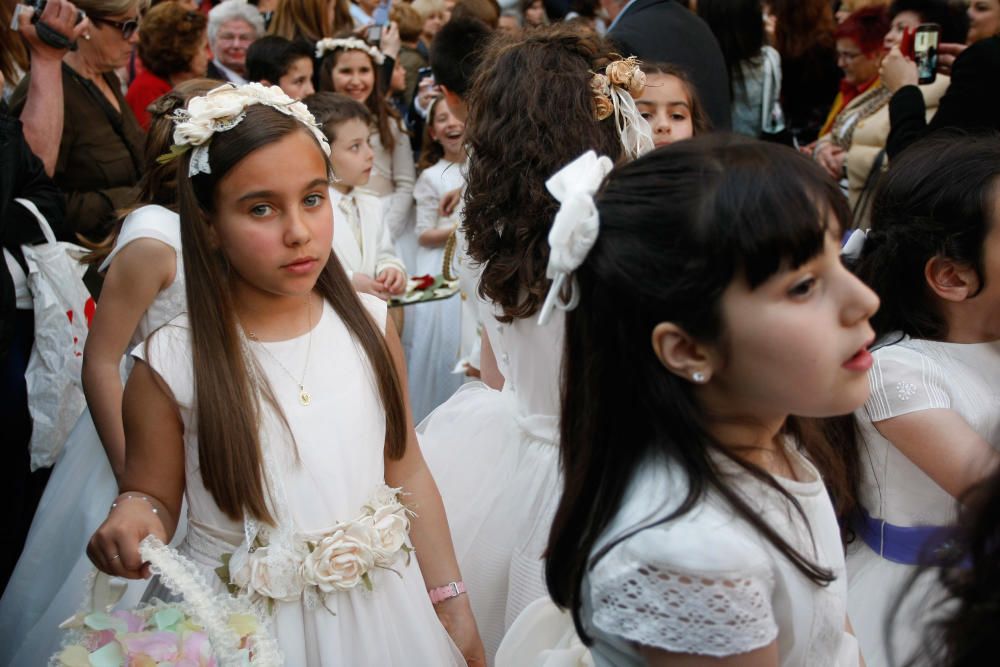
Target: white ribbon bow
(633, 130)
(576, 225)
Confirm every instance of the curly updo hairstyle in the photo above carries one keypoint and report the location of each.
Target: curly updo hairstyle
(170, 38)
(531, 112)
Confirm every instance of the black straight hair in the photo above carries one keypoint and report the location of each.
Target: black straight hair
(457, 51)
(270, 57)
(678, 226)
(921, 210)
(738, 25)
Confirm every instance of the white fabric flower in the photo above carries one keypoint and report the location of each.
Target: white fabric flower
(223, 108)
(341, 559)
(271, 574)
(328, 44)
(391, 526)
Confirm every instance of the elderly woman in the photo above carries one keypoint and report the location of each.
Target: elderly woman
(233, 25)
(853, 142)
(100, 142)
(173, 47)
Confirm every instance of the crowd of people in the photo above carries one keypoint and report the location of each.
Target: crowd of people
(505, 332)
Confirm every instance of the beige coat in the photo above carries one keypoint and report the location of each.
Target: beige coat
(871, 135)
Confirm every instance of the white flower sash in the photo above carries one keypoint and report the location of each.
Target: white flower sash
(316, 564)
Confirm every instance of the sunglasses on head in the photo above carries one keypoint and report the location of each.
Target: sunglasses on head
(127, 28)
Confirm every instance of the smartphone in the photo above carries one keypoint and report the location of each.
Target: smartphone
(424, 73)
(925, 51)
(381, 19)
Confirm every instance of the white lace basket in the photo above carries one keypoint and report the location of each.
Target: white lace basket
(200, 614)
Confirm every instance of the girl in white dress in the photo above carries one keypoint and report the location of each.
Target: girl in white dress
(931, 428)
(143, 289)
(695, 527)
(277, 408)
(436, 326)
(493, 453)
(351, 66)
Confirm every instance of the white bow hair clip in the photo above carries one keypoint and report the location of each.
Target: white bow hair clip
(576, 225)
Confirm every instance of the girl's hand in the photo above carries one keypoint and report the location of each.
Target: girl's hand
(392, 280)
(456, 616)
(898, 71)
(365, 283)
(114, 548)
(449, 202)
(390, 42)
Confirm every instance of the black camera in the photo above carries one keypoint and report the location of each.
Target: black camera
(53, 38)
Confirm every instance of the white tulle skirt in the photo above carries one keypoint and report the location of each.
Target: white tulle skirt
(49, 583)
(543, 636)
(435, 330)
(879, 615)
(498, 475)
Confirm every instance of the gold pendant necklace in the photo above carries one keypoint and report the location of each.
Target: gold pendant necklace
(305, 398)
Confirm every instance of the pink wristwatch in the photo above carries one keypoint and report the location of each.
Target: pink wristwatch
(447, 592)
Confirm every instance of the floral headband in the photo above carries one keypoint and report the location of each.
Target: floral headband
(328, 44)
(614, 92)
(222, 109)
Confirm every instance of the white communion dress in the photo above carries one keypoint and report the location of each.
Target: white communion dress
(435, 326)
(321, 475)
(706, 583)
(911, 375)
(495, 457)
(49, 583)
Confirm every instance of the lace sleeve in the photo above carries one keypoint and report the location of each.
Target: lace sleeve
(676, 610)
(903, 381)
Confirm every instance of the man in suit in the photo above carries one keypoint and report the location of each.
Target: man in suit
(664, 31)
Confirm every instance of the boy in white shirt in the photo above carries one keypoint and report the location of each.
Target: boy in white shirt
(360, 239)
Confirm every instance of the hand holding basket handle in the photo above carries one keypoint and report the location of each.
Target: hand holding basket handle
(236, 635)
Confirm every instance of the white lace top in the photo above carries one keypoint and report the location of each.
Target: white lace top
(708, 583)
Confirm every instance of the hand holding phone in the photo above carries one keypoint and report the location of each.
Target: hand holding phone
(920, 45)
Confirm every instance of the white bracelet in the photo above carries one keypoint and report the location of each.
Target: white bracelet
(129, 496)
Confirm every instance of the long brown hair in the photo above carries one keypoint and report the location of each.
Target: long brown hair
(230, 393)
(530, 113)
(802, 26)
(383, 113)
(158, 184)
(308, 19)
(13, 54)
(431, 150)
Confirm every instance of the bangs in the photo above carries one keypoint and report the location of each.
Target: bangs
(769, 215)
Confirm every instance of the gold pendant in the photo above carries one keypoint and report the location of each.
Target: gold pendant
(304, 397)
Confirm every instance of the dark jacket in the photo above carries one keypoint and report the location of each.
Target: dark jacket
(100, 153)
(21, 175)
(972, 101)
(664, 31)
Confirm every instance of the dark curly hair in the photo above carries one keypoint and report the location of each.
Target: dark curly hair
(530, 113)
(170, 38)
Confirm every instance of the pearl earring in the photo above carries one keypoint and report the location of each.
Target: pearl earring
(698, 377)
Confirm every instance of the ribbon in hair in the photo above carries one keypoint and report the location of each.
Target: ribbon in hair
(329, 44)
(575, 228)
(614, 94)
(222, 109)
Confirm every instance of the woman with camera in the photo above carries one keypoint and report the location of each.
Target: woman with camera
(99, 155)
